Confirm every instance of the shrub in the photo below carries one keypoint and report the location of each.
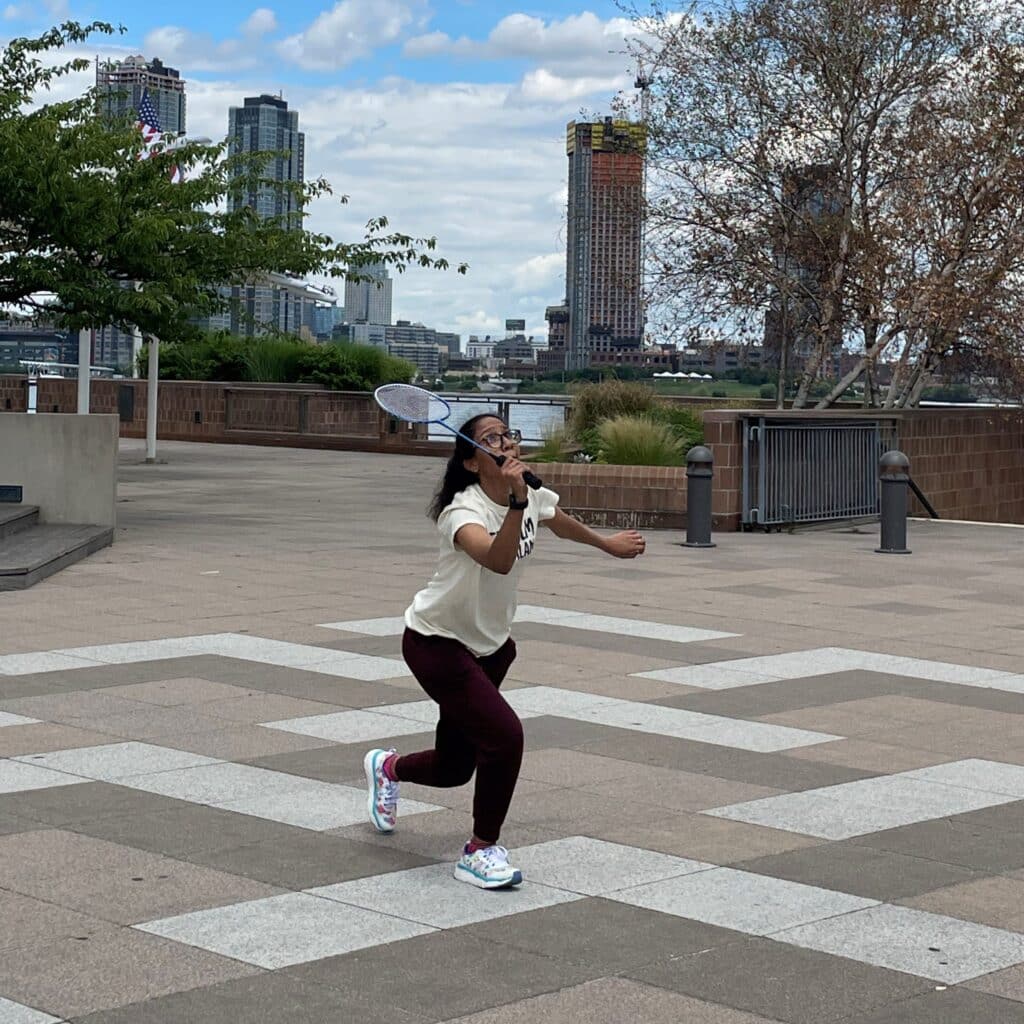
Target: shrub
(639, 441)
(272, 360)
(593, 403)
(719, 393)
(767, 391)
(553, 446)
(684, 421)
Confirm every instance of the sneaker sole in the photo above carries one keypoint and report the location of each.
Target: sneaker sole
(467, 876)
(371, 793)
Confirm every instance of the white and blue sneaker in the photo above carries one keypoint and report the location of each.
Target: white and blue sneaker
(487, 868)
(382, 792)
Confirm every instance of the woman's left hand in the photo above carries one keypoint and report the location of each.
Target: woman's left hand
(627, 544)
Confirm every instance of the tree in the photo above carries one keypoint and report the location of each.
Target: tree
(842, 176)
(81, 215)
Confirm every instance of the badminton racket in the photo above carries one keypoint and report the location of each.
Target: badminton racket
(417, 405)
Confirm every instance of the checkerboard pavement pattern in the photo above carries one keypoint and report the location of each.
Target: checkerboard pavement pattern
(761, 784)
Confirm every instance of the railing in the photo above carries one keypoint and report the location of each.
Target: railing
(805, 472)
(533, 416)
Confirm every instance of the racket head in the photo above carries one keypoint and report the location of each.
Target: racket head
(412, 404)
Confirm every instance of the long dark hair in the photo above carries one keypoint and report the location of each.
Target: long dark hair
(456, 477)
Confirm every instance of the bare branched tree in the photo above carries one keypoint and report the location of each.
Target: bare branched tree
(841, 175)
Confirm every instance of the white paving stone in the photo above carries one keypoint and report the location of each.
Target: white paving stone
(17, 777)
(16, 1013)
(944, 949)
(116, 761)
(394, 626)
(740, 900)
(315, 805)
(974, 773)
(7, 719)
(724, 675)
(692, 725)
(859, 808)
(145, 650)
(350, 726)
(218, 784)
(595, 867)
(430, 896)
(552, 700)
(712, 676)
(41, 661)
(610, 624)
(359, 666)
(282, 931)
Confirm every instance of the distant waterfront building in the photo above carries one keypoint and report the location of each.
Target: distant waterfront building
(44, 343)
(422, 345)
(121, 83)
(369, 301)
(264, 124)
(605, 236)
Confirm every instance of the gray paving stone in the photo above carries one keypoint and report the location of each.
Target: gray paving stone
(264, 998)
(307, 859)
(442, 975)
(182, 829)
(283, 930)
(783, 984)
(611, 1001)
(34, 922)
(84, 805)
(849, 867)
(953, 841)
(953, 1006)
(72, 978)
(929, 945)
(591, 932)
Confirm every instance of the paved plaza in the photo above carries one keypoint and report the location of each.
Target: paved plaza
(781, 780)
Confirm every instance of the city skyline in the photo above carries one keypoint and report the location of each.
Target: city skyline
(450, 123)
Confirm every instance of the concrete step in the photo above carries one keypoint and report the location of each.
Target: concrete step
(31, 555)
(14, 518)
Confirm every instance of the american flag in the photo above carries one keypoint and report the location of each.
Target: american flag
(149, 125)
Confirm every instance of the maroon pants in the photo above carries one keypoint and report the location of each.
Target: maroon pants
(477, 730)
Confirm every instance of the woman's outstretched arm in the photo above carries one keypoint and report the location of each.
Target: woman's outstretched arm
(626, 544)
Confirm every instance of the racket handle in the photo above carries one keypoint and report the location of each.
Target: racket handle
(530, 479)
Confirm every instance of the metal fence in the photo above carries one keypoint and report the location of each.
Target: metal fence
(802, 472)
(533, 416)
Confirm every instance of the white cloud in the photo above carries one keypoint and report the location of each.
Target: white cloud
(261, 22)
(542, 274)
(198, 51)
(542, 86)
(580, 43)
(352, 29)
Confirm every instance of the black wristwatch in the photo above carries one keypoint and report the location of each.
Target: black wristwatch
(517, 505)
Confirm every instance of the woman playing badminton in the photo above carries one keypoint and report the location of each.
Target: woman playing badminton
(457, 639)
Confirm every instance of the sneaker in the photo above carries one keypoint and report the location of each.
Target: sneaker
(382, 792)
(487, 868)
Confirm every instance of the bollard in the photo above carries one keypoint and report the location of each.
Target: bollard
(894, 474)
(699, 471)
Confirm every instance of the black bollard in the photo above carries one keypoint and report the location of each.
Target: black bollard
(699, 471)
(894, 475)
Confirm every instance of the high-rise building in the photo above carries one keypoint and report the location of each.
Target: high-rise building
(605, 238)
(121, 83)
(265, 125)
(369, 301)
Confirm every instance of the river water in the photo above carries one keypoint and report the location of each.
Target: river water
(531, 415)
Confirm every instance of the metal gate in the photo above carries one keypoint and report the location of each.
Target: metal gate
(805, 472)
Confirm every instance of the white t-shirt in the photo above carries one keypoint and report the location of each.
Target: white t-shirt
(464, 600)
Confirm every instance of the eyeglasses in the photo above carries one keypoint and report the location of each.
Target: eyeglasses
(494, 440)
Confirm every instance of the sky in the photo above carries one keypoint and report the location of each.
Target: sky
(446, 116)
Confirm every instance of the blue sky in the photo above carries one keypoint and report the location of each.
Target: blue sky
(447, 116)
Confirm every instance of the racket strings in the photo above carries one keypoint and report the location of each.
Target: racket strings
(411, 403)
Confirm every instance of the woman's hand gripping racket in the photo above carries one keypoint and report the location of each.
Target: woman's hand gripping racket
(417, 405)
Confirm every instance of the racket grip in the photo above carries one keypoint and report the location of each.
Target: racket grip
(530, 479)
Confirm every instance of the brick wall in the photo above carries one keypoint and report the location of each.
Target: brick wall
(969, 463)
(620, 497)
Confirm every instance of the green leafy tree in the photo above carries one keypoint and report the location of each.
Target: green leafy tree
(82, 217)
